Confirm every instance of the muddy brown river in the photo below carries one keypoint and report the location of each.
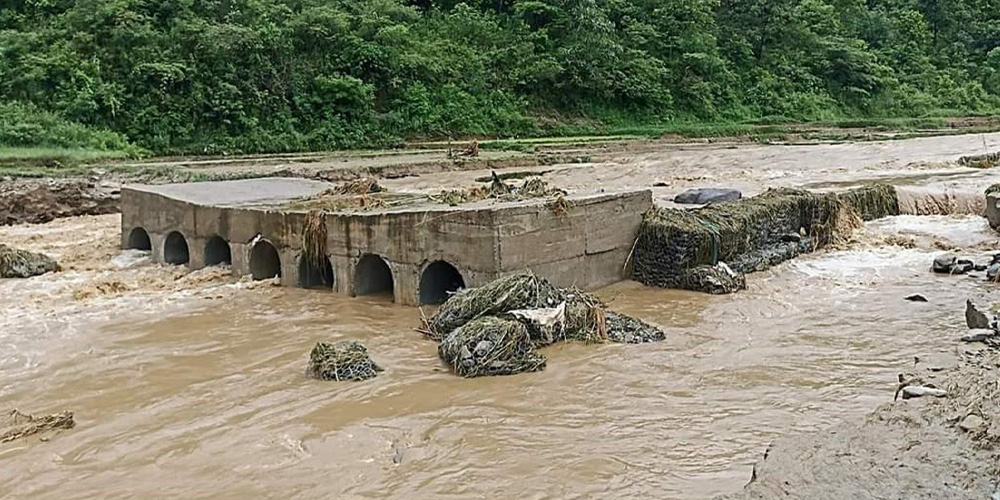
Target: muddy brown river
(192, 385)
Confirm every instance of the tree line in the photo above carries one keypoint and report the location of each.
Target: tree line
(282, 75)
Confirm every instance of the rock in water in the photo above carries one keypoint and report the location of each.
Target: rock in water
(701, 196)
(972, 423)
(16, 263)
(978, 335)
(490, 346)
(992, 271)
(975, 318)
(963, 266)
(346, 360)
(919, 391)
(625, 329)
(944, 263)
(916, 298)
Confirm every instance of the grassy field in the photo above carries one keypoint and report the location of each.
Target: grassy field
(52, 162)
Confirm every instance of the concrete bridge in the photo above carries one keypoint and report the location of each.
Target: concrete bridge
(417, 253)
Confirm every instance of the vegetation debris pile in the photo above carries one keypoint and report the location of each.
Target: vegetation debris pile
(345, 360)
(22, 425)
(495, 329)
(986, 160)
(873, 201)
(530, 188)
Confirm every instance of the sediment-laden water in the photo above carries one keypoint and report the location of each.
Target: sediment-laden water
(192, 385)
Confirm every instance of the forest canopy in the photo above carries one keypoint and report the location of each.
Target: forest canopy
(284, 75)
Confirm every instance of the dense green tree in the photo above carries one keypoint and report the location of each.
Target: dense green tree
(276, 75)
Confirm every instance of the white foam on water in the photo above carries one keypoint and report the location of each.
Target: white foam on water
(957, 230)
(131, 258)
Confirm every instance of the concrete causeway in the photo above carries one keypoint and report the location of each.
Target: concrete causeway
(418, 252)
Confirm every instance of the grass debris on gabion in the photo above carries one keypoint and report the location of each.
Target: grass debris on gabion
(494, 329)
(15, 263)
(345, 360)
(490, 346)
(749, 235)
(717, 280)
(987, 160)
(624, 329)
(873, 201)
(509, 293)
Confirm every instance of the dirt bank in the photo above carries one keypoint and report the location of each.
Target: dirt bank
(665, 166)
(931, 448)
(42, 200)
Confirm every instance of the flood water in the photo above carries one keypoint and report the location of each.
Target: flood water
(192, 385)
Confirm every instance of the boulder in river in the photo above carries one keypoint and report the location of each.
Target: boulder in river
(950, 264)
(919, 391)
(702, 196)
(916, 298)
(944, 263)
(993, 269)
(963, 266)
(975, 318)
(978, 335)
(16, 263)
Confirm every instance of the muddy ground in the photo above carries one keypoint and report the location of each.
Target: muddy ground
(666, 165)
(925, 448)
(42, 200)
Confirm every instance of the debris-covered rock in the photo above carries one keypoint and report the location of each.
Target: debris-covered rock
(22, 425)
(509, 293)
(345, 360)
(702, 196)
(15, 263)
(625, 329)
(494, 329)
(490, 346)
(985, 160)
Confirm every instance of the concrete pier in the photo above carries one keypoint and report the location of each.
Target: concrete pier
(417, 253)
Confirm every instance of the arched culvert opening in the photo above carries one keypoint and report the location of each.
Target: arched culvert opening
(438, 281)
(372, 275)
(315, 275)
(175, 249)
(217, 252)
(264, 261)
(138, 239)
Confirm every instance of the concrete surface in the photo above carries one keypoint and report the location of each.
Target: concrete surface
(411, 252)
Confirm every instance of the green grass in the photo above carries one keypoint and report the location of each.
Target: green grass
(62, 155)
(52, 161)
